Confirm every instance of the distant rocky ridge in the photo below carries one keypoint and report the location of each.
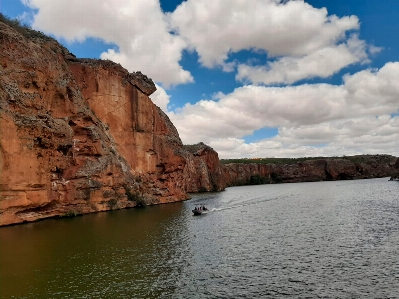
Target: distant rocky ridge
(313, 169)
(82, 135)
(395, 175)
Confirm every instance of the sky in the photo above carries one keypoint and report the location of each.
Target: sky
(250, 78)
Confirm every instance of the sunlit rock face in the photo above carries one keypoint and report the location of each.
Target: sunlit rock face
(203, 171)
(80, 136)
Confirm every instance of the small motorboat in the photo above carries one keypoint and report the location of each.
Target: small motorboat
(200, 210)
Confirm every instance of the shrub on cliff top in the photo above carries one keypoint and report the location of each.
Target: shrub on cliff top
(22, 28)
(368, 159)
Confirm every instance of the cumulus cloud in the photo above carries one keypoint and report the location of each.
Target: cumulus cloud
(321, 63)
(160, 98)
(303, 38)
(217, 28)
(350, 117)
(355, 130)
(299, 41)
(366, 135)
(138, 28)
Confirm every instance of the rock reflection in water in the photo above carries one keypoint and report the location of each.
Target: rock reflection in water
(308, 240)
(122, 254)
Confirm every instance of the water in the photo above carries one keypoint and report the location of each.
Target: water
(308, 240)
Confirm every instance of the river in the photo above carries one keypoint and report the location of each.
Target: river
(306, 240)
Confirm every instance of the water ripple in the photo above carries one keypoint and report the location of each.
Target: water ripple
(309, 240)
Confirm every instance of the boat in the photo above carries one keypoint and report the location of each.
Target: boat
(199, 211)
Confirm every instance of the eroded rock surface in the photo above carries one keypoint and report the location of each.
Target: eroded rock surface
(82, 135)
(326, 169)
(203, 171)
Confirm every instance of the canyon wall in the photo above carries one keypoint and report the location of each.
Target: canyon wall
(81, 136)
(323, 169)
(395, 174)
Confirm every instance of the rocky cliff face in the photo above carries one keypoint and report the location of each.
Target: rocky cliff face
(82, 135)
(356, 167)
(395, 175)
(203, 170)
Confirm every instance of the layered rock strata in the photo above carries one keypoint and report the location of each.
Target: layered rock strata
(324, 169)
(82, 135)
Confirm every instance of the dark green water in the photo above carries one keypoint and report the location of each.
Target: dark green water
(309, 240)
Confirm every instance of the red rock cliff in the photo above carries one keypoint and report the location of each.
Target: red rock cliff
(82, 135)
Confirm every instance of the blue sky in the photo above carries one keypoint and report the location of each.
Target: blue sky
(254, 78)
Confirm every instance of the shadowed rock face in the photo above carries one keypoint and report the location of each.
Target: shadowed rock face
(357, 167)
(395, 175)
(82, 135)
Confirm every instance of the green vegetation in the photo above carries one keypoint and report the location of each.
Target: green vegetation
(258, 180)
(70, 214)
(289, 161)
(140, 202)
(269, 160)
(22, 28)
(274, 178)
(112, 203)
(367, 159)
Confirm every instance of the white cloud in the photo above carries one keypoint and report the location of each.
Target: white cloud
(303, 37)
(160, 98)
(374, 50)
(349, 130)
(321, 63)
(366, 135)
(351, 118)
(305, 42)
(217, 28)
(25, 17)
(138, 28)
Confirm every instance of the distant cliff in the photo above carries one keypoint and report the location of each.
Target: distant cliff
(395, 175)
(315, 169)
(82, 135)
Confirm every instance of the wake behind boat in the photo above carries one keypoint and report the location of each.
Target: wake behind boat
(200, 210)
